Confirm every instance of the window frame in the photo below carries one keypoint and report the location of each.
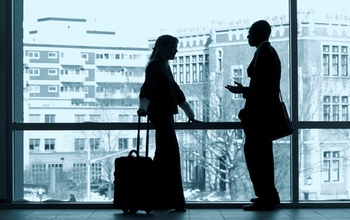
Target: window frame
(14, 126)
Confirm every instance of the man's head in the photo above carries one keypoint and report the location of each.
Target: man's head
(259, 32)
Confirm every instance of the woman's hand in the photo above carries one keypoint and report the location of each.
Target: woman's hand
(141, 112)
(193, 120)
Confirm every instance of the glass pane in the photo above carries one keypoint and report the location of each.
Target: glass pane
(56, 164)
(59, 163)
(87, 63)
(84, 64)
(324, 164)
(323, 72)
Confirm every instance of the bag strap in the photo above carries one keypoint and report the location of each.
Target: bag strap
(278, 87)
(147, 136)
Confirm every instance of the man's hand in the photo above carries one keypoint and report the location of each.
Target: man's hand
(235, 89)
(141, 112)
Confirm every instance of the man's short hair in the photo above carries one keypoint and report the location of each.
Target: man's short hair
(262, 27)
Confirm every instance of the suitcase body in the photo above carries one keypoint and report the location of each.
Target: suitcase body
(133, 178)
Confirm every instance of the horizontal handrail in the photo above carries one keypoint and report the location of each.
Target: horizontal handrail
(178, 126)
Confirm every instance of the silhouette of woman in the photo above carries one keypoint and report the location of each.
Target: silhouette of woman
(159, 97)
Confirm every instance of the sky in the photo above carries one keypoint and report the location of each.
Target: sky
(137, 20)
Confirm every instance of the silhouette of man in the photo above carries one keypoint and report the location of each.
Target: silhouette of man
(265, 73)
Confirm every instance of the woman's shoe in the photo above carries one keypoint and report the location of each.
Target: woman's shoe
(180, 210)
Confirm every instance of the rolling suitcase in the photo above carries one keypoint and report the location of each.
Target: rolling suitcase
(133, 178)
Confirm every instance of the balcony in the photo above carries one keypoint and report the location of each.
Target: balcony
(72, 59)
(117, 95)
(72, 78)
(72, 95)
(117, 77)
(119, 63)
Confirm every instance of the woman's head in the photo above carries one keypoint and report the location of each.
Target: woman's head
(165, 48)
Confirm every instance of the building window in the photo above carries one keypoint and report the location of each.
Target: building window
(96, 171)
(34, 144)
(200, 72)
(175, 72)
(39, 173)
(123, 118)
(200, 57)
(33, 55)
(34, 89)
(218, 60)
(187, 59)
(326, 64)
(79, 144)
(52, 89)
(52, 72)
(326, 108)
(79, 172)
(190, 166)
(175, 60)
(335, 65)
(52, 55)
(50, 144)
(34, 118)
(94, 144)
(206, 68)
(335, 108)
(79, 118)
(188, 78)
(34, 72)
(181, 73)
(85, 56)
(194, 58)
(50, 118)
(344, 61)
(58, 171)
(99, 56)
(135, 118)
(194, 72)
(122, 143)
(95, 117)
(237, 72)
(181, 59)
(339, 61)
(331, 166)
(344, 108)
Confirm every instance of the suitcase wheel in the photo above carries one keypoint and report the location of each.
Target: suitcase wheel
(147, 211)
(125, 211)
(133, 211)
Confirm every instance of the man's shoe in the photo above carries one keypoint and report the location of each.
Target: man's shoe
(258, 207)
(274, 202)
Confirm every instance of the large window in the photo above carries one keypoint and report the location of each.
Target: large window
(323, 167)
(100, 68)
(323, 93)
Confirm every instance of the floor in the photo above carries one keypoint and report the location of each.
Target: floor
(191, 214)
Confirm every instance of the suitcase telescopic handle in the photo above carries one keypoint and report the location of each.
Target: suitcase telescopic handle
(138, 136)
